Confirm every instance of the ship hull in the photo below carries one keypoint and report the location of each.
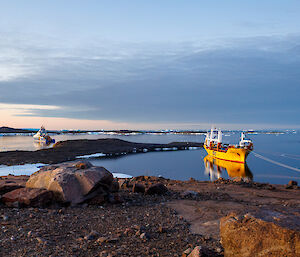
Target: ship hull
(232, 154)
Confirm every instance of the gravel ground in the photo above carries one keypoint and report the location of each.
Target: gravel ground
(140, 226)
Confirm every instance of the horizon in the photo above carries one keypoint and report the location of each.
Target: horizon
(103, 65)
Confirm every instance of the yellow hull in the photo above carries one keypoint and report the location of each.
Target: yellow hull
(234, 169)
(232, 154)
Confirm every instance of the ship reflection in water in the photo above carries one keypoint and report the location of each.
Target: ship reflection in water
(38, 145)
(215, 167)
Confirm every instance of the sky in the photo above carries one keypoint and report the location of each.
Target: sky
(150, 64)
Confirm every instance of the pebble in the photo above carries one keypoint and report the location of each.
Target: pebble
(187, 252)
(101, 240)
(162, 229)
(92, 235)
(40, 240)
(145, 235)
(5, 218)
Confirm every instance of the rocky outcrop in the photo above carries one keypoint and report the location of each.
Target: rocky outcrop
(266, 233)
(23, 197)
(73, 182)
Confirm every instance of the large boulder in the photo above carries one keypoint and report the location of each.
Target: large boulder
(73, 182)
(266, 233)
(34, 197)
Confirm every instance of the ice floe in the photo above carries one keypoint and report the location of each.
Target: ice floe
(95, 155)
(25, 169)
(169, 148)
(121, 175)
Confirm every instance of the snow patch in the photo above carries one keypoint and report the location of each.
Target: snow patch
(121, 175)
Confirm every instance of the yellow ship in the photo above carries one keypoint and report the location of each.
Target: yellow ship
(215, 167)
(235, 153)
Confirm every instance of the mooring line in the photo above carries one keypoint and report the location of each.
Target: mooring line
(275, 162)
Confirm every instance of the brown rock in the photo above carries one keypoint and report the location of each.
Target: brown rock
(83, 165)
(115, 187)
(10, 183)
(186, 252)
(7, 186)
(292, 183)
(157, 189)
(138, 188)
(73, 182)
(28, 197)
(197, 252)
(266, 234)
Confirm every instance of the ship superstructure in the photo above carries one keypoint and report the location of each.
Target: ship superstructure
(236, 153)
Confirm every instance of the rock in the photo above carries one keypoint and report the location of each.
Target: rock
(123, 183)
(197, 252)
(115, 198)
(105, 254)
(192, 180)
(189, 194)
(102, 240)
(34, 197)
(5, 218)
(92, 235)
(157, 189)
(40, 240)
(293, 183)
(187, 252)
(138, 188)
(72, 182)
(10, 185)
(112, 240)
(266, 233)
(115, 187)
(145, 236)
(238, 180)
(162, 229)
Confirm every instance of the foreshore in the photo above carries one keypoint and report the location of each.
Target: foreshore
(138, 224)
(69, 150)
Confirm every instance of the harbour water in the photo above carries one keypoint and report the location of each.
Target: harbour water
(275, 159)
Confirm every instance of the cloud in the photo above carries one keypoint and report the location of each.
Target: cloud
(246, 80)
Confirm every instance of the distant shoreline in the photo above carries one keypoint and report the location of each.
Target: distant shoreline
(8, 130)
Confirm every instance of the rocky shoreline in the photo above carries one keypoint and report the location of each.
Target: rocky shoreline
(152, 216)
(68, 150)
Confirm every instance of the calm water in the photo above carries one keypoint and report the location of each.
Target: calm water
(276, 158)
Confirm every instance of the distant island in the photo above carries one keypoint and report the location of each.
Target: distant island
(13, 130)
